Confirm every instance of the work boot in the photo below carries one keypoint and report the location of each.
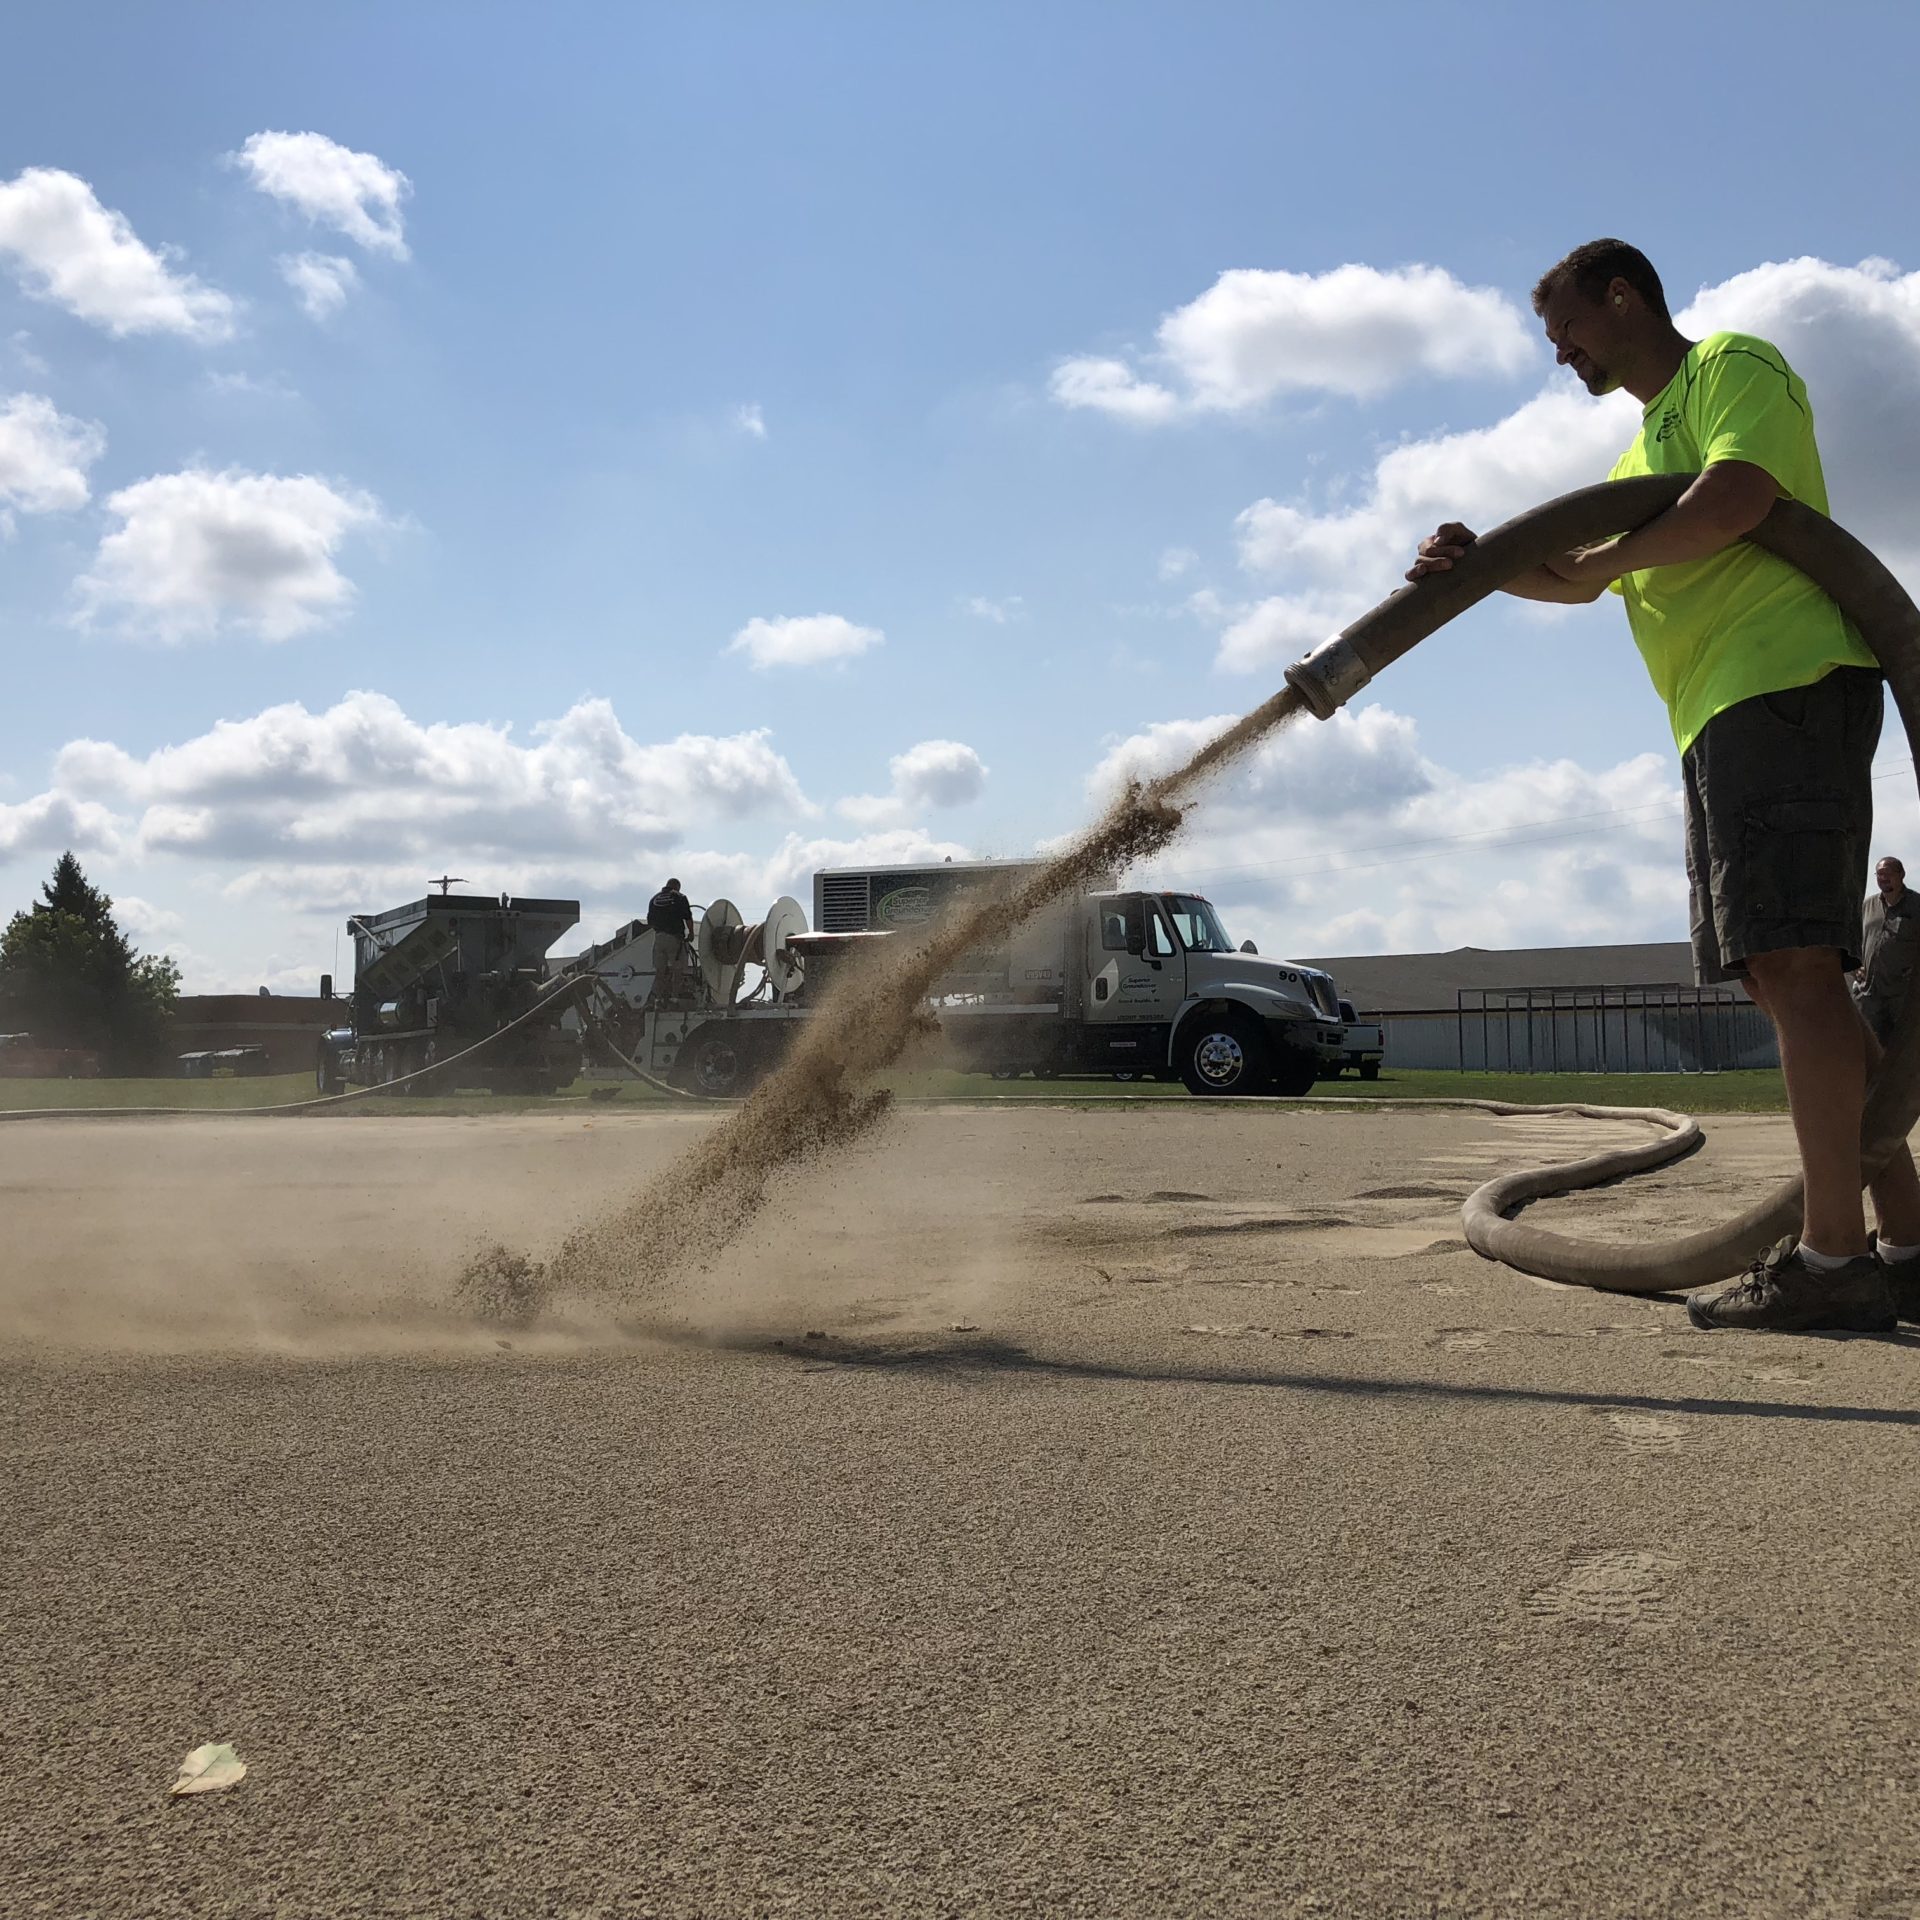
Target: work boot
(1903, 1283)
(1782, 1294)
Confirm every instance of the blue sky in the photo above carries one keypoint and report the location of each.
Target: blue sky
(687, 318)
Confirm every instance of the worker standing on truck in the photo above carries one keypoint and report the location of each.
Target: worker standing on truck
(671, 918)
(1775, 704)
(1889, 944)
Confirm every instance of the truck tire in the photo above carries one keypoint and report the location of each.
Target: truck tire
(326, 1072)
(1294, 1072)
(1370, 1070)
(1223, 1054)
(711, 1064)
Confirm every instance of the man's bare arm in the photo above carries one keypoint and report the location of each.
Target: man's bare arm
(1724, 505)
(1542, 583)
(1441, 548)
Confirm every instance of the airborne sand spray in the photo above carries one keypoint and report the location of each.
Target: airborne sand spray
(818, 1099)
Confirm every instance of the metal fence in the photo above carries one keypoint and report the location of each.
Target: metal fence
(1652, 1029)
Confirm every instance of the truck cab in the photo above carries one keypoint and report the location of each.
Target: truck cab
(1166, 988)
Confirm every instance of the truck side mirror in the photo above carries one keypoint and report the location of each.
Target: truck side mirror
(1247, 946)
(326, 986)
(1136, 938)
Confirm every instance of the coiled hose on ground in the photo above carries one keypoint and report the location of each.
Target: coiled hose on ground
(1889, 622)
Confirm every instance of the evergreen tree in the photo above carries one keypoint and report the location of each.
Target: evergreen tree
(71, 978)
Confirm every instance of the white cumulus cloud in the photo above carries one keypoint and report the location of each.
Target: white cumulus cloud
(356, 194)
(1354, 763)
(803, 640)
(938, 773)
(72, 251)
(1853, 335)
(749, 419)
(1258, 333)
(144, 919)
(322, 280)
(198, 552)
(44, 455)
(933, 773)
(363, 786)
(1337, 563)
(56, 822)
(1111, 386)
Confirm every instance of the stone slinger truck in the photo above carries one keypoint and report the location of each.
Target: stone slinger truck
(1121, 982)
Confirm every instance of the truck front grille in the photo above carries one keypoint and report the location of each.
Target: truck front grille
(1324, 996)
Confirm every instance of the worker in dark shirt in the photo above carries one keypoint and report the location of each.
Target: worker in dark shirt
(671, 918)
(1889, 945)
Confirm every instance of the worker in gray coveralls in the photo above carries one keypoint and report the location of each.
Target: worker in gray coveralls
(671, 918)
(1889, 945)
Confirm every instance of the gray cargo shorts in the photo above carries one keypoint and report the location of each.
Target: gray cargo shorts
(1779, 795)
(1880, 1014)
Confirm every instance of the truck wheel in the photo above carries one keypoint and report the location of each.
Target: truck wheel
(1370, 1070)
(1225, 1053)
(326, 1072)
(713, 1066)
(1294, 1073)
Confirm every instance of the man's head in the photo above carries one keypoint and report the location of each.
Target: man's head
(1605, 313)
(673, 886)
(1889, 876)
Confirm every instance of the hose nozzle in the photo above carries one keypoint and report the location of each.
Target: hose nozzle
(1328, 677)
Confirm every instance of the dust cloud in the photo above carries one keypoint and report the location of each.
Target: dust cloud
(820, 1099)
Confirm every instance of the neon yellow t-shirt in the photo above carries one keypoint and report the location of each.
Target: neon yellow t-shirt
(1717, 631)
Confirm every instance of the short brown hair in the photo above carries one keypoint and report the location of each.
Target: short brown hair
(1594, 267)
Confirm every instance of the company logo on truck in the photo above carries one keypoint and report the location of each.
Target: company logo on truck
(903, 907)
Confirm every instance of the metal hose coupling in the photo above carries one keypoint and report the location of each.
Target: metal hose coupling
(1328, 677)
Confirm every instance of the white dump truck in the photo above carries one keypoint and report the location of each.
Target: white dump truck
(1115, 981)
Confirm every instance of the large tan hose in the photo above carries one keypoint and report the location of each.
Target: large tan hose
(1887, 620)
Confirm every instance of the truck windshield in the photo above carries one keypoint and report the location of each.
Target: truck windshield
(1199, 926)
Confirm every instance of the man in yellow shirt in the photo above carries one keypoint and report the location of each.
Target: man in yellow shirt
(1775, 704)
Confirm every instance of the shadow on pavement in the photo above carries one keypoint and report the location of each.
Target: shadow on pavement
(974, 1358)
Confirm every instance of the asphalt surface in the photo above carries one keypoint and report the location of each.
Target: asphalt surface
(1046, 1512)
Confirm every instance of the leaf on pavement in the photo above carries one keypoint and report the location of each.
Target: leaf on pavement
(208, 1769)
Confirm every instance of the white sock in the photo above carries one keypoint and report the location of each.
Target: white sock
(1824, 1262)
(1893, 1255)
